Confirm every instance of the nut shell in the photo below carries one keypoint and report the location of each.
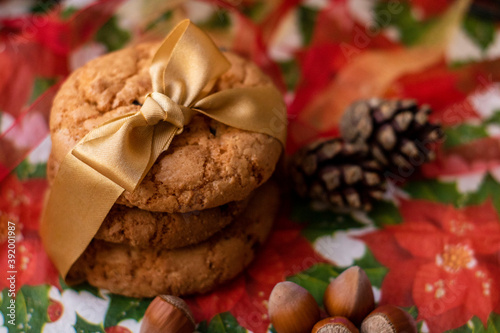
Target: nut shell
(335, 325)
(168, 314)
(350, 295)
(389, 319)
(292, 309)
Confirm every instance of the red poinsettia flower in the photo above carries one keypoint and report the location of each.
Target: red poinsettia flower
(32, 266)
(22, 204)
(22, 201)
(40, 45)
(442, 259)
(286, 253)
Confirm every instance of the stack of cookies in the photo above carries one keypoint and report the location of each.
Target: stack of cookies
(201, 211)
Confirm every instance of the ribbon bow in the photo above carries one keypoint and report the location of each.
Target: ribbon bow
(118, 154)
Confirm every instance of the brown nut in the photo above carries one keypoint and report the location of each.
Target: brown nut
(350, 295)
(390, 319)
(335, 325)
(292, 309)
(168, 314)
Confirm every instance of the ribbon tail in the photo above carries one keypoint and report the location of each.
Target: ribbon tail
(79, 200)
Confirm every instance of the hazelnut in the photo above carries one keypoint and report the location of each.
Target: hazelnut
(350, 295)
(335, 325)
(168, 314)
(292, 309)
(389, 319)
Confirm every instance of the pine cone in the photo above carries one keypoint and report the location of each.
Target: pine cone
(337, 173)
(397, 132)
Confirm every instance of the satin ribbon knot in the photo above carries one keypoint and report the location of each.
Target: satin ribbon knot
(159, 107)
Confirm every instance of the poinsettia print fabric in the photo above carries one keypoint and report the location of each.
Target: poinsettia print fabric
(442, 259)
(431, 246)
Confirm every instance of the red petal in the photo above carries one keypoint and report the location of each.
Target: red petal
(8, 73)
(251, 310)
(483, 291)
(315, 78)
(16, 88)
(385, 248)
(221, 300)
(35, 193)
(268, 267)
(54, 35)
(85, 23)
(435, 291)
(281, 237)
(448, 320)
(23, 201)
(398, 283)
(484, 217)
(486, 243)
(486, 233)
(452, 114)
(418, 211)
(494, 270)
(300, 134)
(54, 310)
(421, 242)
(299, 256)
(438, 88)
(32, 263)
(11, 190)
(295, 251)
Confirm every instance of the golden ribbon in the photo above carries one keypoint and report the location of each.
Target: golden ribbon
(117, 155)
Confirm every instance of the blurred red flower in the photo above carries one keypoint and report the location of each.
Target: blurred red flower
(40, 45)
(21, 204)
(442, 259)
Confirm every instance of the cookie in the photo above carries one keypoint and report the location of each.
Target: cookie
(137, 227)
(147, 272)
(208, 165)
(142, 228)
